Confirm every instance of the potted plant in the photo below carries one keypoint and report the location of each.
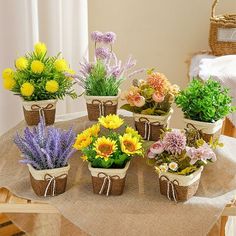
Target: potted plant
(108, 153)
(205, 105)
(150, 101)
(179, 163)
(46, 152)
(39, 80)
(102, 78)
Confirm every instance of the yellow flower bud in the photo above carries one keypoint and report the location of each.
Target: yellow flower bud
(8, 73)
(52, 86)
(61, 65)
(27, 89)
(9, 83)
(37, 66)
(40, 48)
(21, 63)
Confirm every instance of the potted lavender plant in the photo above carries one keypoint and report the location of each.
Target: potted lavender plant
(102, 78)
(46, 152)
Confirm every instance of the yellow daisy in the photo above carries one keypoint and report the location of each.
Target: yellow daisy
(111, 121)
(27, 89)
(130, 145)
(61, 65)
(105, 147)
(21, 63)
(84, 158)
(93, 130)
(9, 83)
(52, 86)
(134, 133)
(40, 48)
(37, 66)
(8, 73)
(82, 141)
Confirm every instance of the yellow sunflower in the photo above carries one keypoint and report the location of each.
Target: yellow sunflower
(130, 145)
(134, 133)
(84, 158)
(111, 121)
(82, 141)
(105, 147)
(93, 130)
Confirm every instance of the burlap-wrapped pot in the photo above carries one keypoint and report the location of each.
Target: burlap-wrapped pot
(150, 126)
(33, 109)
(101, 105)
(108, 181)
(179, 187)
(207, 130)
(49, 182)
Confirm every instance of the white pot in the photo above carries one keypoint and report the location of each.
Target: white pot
(36, 105)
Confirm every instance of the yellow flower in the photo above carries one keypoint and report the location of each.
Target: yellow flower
(82, 141)
(9, 83)
(84, 158)
(134, 133)
(93, 130)
(72, 72)
(52, 86)
(61, 65)
(21, 63)
(111, 121)
(130, 145)
(8, 73)
(37, 66)
(105, 147)
(27, 89)
(40, 48)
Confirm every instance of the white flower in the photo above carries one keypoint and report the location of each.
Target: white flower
(163, 167)
(173, 166)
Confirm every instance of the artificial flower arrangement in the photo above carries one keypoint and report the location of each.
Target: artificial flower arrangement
(179, 157)
(205, 105)
(109, 152)
(150, 101)
(39, 80)
(102, 78)
(46, 151)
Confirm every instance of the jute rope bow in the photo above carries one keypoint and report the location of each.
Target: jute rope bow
(107, 179)
(52, 182)
(41, 110)
(147, 126)
(101, 105)
(171, 188)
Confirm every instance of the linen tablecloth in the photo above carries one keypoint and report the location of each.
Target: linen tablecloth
(141, 210)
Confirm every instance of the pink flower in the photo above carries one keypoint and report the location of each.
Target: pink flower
(202, 153)
(174, 141)
(157, 97)
(151, 155)
(138, 100)
(97, 36)
(157, 147)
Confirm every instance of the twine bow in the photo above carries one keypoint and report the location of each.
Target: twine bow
(36, 107)
(107, 179)
(101, 105)
(147, 126)
(171, 186)
(52, 182)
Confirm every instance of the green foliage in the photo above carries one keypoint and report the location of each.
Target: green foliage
(99, 84)
(207, 102)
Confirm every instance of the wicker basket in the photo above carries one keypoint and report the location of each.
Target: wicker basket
(222, 38)
(101, 106)
(49, 182)
(108, 181)
(149, 127)
(179, 187)
(32, 111)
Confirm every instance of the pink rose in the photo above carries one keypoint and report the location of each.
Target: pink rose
(158, 97)
(138, 100)
(157, 147)
(151, 155)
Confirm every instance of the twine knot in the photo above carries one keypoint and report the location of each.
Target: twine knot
(101, 105)
(41, 109)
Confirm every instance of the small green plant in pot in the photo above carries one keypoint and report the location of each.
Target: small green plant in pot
(205, 105)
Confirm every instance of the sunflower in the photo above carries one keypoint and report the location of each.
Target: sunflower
(105, 147)
(134, 133)
(111, 121)
(130, 145)
(93, 130)
(82, 141)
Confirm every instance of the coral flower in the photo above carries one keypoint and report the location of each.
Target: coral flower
(40, 48)
(138, 100)
(27, 89)
(111, 121)
(37, 66)
(82, 141)
(52, 86)
(21, 63)
(157, 97)
(104, 147)
(130, 145)
(61, 65)
(8, 73)
(159, 82)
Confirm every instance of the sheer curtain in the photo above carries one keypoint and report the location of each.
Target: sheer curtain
(61, 24)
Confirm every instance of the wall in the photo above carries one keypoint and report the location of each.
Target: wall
(158, 33)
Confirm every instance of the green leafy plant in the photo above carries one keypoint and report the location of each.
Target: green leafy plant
(205, 101)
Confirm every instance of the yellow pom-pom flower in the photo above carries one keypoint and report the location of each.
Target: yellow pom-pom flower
(111, 121)
(8, 73)
(72, 72)
(9, 83)
(82, 141)
(21, 63)
(105, 147)
(61, 65)
(52, 86)
(40, 48)
(27, 89)
(130, 145)
(37, 66)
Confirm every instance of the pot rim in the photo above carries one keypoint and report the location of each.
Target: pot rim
(39, 101)
(103, 97)
(154, 116)
(203, 123)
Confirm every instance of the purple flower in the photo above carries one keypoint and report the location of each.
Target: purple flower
(174, 141)
(109, 37)
(203, 153)
(97, 36)
(102, 53)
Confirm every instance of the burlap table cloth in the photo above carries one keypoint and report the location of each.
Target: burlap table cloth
(141, 210)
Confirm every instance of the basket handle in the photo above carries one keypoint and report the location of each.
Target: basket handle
(213, 8)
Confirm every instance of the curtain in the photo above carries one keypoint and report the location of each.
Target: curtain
(61, 24)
